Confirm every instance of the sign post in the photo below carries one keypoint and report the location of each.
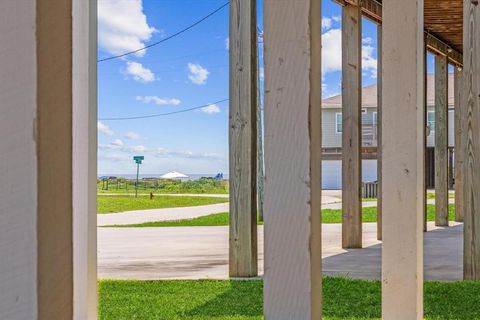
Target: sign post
(138, 161)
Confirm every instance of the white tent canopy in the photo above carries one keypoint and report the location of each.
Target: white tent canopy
(173, 175)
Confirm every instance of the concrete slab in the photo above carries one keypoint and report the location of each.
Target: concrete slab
(202, 253)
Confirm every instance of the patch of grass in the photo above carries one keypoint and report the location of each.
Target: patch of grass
(162, 186)
(343, 298)
(431, 195)
(110, 204)
(328, 216)
(212, 220)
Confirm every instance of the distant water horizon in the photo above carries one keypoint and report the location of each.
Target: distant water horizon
(191, 176)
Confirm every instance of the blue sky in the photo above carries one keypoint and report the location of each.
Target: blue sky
(187, 71)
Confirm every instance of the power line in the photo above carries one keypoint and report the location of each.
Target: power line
(162, 114)
(169, 37)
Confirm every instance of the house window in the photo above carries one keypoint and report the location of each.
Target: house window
(431, 120)
(338, 122)
(375, 119)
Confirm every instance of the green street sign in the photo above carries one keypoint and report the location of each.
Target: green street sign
(138, 159)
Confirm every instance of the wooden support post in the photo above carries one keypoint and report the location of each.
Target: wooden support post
(426, 162)
(379, 132)
(293, 280)
(351, 126)
(84, 99)
(459, 136)
(471, 113)
(441, 141)
(48, 160)
(403, 170)
(243, 139)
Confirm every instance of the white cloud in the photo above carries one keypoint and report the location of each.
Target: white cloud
(159, 101)
(104, 129)
(331, 51)
(262, 73)
(139, 148)
(326, 23)
(369, 63)
(337, 18)
(117, 142)
(227, 43)
(138, 72)
(132, 135)
(211, 108)
(122, 26)
(198, 74)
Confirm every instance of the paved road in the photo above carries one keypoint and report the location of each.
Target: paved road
(202, 253)
(142, 216)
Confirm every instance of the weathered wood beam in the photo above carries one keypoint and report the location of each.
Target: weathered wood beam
(441, 141)
(243, 139)
(459, 136)
(471, 113)
(403, 170)
(293, 280)
(379, 131)
(351, 126)
(372, 10)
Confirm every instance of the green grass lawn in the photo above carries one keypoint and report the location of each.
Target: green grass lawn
(328, 216)
(431, 195)
(161, 186)
(243, 300)
(109, 204)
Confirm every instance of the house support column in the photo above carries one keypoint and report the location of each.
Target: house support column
(379, 132)
(459, 136)
(403, 170)
(293, 280)
(351, 126)
(243, 139)
(470, 109)
(85, 159)
(47, 240)
(441, 140)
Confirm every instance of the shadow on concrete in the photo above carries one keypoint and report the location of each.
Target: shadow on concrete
(443, 258)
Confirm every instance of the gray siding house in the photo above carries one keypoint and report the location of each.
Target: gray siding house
(332, 133)
(332, 117)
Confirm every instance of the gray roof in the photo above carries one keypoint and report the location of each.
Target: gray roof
(369, 95)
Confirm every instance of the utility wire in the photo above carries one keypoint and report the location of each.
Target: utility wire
(167, 38)
(162, 114)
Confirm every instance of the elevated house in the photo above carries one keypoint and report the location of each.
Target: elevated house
(332, 120)
(332, 127)
(48, 150)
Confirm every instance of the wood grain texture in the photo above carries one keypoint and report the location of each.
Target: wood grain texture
(441, 141)
(351, 126)
(403, 168)
(459, 136)
(426, 162)
(471, 73)
(379, 132)
(292, 281)
(243, 139)
(54, 161)
(18, 169)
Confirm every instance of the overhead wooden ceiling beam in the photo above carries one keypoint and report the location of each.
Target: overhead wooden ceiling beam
(372, 10)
